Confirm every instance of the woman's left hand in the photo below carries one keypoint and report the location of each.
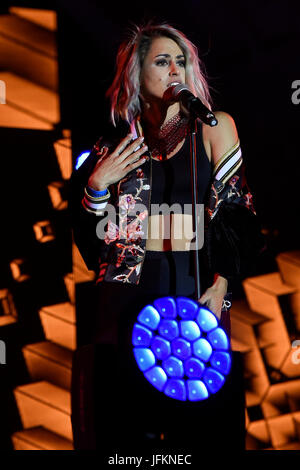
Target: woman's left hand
(214, 295)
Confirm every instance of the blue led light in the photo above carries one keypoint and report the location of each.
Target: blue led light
(161, 347)
(187, 308)
(81, 159)
(145, 358)
(218, 339)
(221, 361)
(149, 317)
(175, 388)
(202, 349)
(194, 368)
(168, 329)
(173, 367)
(190, 330)
(206, 320)
(157, 376)
(181, 349)
(197, 390)
(141, 336)
(213, 380)
(166, 306)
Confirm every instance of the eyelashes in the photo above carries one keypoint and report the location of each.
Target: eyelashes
(163, 62)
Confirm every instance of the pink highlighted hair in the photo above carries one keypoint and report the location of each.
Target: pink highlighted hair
(125, 89)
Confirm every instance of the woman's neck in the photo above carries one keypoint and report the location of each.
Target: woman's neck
(155, 116)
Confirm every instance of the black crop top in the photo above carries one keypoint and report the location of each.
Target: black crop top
(171, 180)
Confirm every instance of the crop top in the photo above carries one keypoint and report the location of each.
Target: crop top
(171, 178)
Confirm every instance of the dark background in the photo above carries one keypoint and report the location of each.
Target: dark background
(251, 52)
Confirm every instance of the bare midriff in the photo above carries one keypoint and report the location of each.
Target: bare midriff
(173, 232)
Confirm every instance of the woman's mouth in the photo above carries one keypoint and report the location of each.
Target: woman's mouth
(173, 84)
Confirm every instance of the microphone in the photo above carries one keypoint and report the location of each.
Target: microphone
(193, 104)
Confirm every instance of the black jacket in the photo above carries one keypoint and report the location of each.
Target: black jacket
(233, 237)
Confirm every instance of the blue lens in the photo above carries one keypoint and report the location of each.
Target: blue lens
(181, 349)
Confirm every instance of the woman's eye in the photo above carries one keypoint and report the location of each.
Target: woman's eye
(161, 62)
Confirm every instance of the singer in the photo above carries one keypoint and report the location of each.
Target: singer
(145, 161)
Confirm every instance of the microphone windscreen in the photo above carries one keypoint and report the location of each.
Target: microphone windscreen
(178, 89)
(172, 93)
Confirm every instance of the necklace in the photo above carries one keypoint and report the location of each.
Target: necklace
(168, 137)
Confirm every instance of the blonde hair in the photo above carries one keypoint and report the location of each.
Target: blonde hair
(125, 89)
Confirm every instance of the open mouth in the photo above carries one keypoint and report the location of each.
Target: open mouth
(173, 84)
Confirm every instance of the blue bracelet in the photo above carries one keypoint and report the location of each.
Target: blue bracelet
(92, 192)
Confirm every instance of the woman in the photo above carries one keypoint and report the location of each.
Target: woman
(138, 254)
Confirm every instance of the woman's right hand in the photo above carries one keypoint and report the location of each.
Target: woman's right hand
(112, 167)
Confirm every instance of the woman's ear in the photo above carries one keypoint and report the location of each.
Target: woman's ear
(144, 104)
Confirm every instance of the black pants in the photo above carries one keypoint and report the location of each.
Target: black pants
(114, 406)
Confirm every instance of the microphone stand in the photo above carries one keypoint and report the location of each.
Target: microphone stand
(193, 171)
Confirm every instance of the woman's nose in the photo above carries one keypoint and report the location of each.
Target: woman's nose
(173, 69)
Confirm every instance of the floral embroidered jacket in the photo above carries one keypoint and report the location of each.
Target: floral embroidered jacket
(113, 242)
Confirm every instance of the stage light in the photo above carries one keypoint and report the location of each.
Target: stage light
(181, 349)
(81, 159)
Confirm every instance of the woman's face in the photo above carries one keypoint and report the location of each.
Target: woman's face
(163, 65)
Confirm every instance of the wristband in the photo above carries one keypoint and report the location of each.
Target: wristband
(98, 198)
(99, 210)
(92, 192)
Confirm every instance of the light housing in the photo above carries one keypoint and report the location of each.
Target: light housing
(181, 349)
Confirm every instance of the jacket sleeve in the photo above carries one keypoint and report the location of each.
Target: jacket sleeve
(233, 234)
(84, 223)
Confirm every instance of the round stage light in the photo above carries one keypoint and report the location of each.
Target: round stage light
(181, 348)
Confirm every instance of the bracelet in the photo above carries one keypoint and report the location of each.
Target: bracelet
(99, 211)
(93, 193)
(226, 304)
(97, 199)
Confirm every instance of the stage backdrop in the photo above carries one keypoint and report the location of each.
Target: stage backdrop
(56, 62)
